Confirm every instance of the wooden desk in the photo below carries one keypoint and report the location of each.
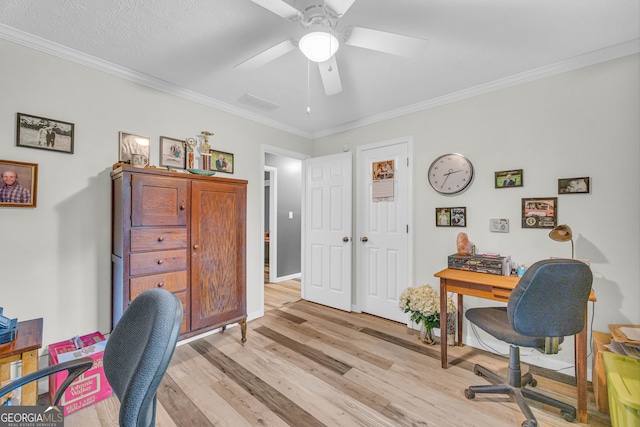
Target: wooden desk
(498, 288)
(24, 347)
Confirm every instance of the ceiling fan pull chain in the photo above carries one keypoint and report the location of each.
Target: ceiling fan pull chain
(308, 84)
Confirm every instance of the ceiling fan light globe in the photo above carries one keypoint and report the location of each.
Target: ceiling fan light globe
(318, 46)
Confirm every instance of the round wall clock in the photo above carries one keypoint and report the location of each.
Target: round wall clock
(450, 173)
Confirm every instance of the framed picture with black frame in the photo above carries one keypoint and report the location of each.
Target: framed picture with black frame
(539, 212)
(508, 179)
(223, 162)
(574, 185)
(46, 134)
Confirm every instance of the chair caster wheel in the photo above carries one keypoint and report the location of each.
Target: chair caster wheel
(533, 383)
(469, 394)
(569, 417)
(477, 372)
(529, 423)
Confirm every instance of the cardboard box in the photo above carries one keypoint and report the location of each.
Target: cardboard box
(90, 387)
(598, 374)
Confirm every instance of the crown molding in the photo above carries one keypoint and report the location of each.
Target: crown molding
(607, 54)
(64, 52)
(52, 48)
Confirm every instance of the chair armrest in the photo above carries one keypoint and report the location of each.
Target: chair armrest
(74, 367)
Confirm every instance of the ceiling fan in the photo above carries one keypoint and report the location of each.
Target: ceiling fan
(320, 43)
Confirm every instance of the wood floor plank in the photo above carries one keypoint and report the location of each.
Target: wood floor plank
(305, 364)
(269, 396)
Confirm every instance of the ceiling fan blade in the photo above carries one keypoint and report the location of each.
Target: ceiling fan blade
(382, 41)
(266, 56)
(339, 7)
(330, 76)
(280, 8)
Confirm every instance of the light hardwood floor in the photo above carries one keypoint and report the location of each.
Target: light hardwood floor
(308, 365)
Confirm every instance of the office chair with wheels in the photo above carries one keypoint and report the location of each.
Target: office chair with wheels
(135, 359)
(549, 303)
(138, 353)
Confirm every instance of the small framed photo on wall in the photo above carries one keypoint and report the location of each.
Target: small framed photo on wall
(19, 184)
(508, 179)
(540, 212)
(573, 185)
(443, 217)
(43, 133)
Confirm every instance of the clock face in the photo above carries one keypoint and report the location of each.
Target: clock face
(450, 173)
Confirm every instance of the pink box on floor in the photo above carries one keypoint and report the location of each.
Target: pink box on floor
(92, 386)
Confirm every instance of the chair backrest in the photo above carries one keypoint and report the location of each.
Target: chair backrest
(138, 353)
(550, 299)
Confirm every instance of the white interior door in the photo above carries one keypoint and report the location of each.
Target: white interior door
(383, 239)
(327, 243)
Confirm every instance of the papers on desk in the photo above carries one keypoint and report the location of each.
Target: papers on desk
(623, 349)
(626, 340)
(633, 334)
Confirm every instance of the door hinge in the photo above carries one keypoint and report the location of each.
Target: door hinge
(407, 228)
(407, 162)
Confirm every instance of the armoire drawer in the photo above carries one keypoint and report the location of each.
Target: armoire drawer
(157, 262)
(158, 239)
(172, 282)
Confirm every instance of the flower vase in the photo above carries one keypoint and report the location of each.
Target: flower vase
(451, 329)
(426, 335)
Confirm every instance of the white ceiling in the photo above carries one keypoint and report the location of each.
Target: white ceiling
(190, 47)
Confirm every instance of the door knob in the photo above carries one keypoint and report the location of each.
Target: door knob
(364, 239)
(345, 239)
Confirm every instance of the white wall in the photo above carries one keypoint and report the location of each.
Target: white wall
(55, 260)
(580, 123)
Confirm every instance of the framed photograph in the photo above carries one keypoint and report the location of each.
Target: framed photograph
(540, 212)
(443, 217)
(451, 217)
(133, 144)
(43, 133)
(458, 217)
(507, 179)
(574, 185)
(172, 153)
(19, 185)
(224, 162)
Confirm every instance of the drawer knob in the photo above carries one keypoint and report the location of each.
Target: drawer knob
(183, 207)
(160, 261)
(161, 284)
(195, 246)
(161, 239)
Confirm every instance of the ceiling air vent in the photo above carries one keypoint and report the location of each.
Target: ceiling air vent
(256, 102)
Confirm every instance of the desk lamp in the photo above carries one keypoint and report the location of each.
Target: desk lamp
(562, 233)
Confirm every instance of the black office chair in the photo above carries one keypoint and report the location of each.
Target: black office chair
(549, 303)
(135, 359)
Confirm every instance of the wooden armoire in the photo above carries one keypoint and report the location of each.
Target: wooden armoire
(184, 233)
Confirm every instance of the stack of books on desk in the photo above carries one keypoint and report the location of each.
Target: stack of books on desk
(8, 328)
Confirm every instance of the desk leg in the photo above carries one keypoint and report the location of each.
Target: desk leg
(443, 323)
(581, 372)
(29, 365)
(460, 319)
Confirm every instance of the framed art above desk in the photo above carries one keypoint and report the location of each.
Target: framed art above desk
(498, 288)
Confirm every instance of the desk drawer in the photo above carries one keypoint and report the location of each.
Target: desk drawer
(158, 239)
(157, 262)
(172, 282)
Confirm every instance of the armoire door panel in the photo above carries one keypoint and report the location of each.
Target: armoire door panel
(217, 265)
(158, 201)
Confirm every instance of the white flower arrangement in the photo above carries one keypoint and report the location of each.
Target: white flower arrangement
(423, 302)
